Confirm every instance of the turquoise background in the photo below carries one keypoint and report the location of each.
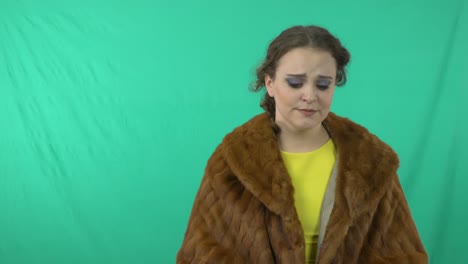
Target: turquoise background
(110, 110)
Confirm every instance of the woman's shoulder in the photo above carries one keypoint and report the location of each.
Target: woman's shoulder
(357, 138)
(257, 128)
(345, 127)
(249, 144)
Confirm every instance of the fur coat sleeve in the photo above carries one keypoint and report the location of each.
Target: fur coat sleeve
(226, 223)
(392, 236)
(244, 210)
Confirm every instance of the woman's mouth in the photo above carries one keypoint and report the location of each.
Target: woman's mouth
(307, 112)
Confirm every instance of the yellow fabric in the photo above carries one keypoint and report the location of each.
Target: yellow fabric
(310, 172)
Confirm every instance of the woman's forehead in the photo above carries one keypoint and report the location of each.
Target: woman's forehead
(306, 61)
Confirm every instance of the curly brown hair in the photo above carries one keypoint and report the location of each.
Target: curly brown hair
(298, 37)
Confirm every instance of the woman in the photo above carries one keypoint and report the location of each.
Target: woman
(298, 184)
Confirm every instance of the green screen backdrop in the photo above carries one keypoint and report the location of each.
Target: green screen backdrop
(109, 112)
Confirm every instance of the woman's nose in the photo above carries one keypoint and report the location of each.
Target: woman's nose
(309, 94)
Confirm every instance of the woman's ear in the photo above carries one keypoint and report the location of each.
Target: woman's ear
(269, 85)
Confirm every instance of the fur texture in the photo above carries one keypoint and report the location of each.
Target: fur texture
(244, 210)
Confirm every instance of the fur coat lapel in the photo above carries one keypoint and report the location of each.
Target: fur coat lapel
(252, 149)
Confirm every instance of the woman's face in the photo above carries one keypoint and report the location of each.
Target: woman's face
(303, 88)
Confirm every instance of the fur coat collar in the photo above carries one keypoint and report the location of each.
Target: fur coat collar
(254, 147)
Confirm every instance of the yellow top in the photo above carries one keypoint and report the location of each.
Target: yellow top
(310, 172)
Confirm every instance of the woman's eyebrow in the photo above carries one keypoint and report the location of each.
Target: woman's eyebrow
(301, 75)
(325, 77)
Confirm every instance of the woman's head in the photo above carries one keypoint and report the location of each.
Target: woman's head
(300, 71)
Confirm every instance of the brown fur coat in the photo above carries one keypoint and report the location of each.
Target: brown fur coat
(244, 210)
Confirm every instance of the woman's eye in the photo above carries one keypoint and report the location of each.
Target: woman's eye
(294, 83)
(323, 84)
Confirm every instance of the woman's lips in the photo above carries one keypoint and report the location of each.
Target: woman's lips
(307, 112)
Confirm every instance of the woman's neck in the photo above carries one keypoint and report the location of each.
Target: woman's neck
(302, 141)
